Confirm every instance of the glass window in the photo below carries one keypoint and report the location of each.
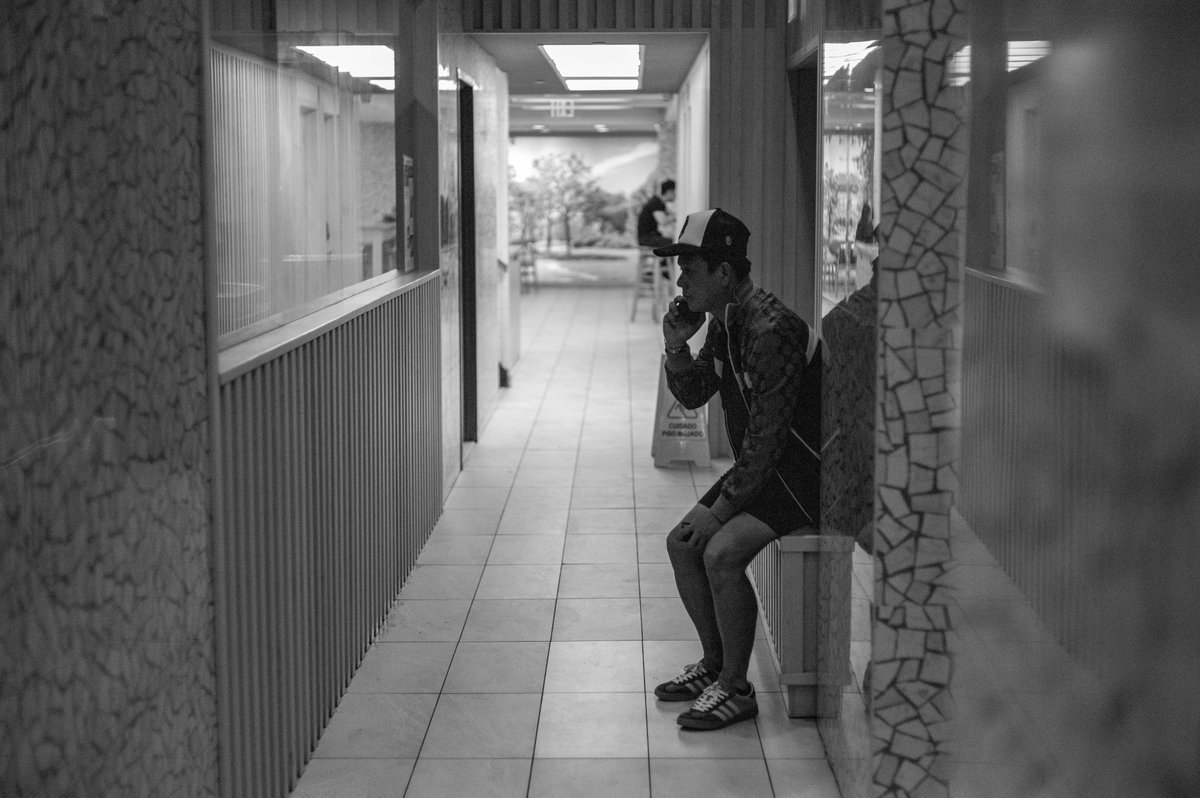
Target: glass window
(850, 183)
(303, 157)
(1002, 72)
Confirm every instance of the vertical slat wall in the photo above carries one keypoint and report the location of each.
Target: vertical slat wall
(360, 16)
(331, 480)
(1026, 422)
(244, 120)
(753, 150)
(766, 575)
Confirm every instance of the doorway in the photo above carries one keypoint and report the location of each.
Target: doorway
(467, 283)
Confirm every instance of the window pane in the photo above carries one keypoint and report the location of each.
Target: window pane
(850, 168)
(302, 130)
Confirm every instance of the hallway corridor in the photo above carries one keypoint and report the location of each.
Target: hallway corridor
(520, 656)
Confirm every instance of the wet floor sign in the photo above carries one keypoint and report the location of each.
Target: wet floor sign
(680, 434)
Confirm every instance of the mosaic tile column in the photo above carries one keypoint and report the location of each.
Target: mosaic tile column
(106, 644)
(917, 425)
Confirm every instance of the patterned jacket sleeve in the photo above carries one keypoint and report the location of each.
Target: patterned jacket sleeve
(773, 369)
(696, 385)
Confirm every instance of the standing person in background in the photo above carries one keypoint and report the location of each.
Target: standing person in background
(655, 217)
(766, 363)
(866, 247)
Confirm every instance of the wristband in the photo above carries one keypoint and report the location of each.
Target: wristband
(678, 350)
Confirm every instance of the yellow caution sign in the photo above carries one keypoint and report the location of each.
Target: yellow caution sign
(680, 434)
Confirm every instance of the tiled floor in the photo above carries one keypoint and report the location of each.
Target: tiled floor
(521, 654)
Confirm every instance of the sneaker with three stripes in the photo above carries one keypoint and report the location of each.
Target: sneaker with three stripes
(717, 708)
(688, 685)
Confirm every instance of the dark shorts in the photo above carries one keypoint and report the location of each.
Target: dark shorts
(773, 505)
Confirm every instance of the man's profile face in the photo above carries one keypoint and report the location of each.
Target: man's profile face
(701, 286)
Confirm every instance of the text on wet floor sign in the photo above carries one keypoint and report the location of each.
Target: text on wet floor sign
(680, 434)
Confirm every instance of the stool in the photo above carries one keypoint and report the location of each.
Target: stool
(527, 264)
(651, 279)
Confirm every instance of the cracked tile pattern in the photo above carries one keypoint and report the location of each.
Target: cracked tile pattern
(917, 427)
(850, 333)
(106, 664)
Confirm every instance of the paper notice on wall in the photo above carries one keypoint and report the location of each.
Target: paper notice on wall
(680, 434)
(410, 227)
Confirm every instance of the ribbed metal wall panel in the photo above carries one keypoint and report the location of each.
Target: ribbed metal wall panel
(359, 16)
(1029, 489)
(331, 478)
(585, 15)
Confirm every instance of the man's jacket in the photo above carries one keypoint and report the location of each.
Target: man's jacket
(766, 362)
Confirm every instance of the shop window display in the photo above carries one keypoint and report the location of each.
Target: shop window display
(850, 167)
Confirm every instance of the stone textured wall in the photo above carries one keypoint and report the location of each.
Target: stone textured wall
(106, 665)
(917, 425)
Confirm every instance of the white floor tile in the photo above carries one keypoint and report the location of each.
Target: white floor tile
(482, 726)
(363, 778)
(595, 666)
(518, 581)
(509, 619)
(583, 548)
(712, 778)
(497, 667)
(371, 725)
(592, 725)
(601, 521)
(599, 580)
(403, 668)
(597, 619)
(425, 620)
(590, 778)
(451, 778)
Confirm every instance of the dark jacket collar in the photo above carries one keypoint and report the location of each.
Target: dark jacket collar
(733, 311)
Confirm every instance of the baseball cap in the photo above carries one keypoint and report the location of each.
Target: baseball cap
(713, 233)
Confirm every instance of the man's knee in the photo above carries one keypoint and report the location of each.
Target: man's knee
(678, 550)
(731, 550)
(721, 558)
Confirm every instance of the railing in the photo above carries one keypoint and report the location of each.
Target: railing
(330, 485)
(1029, 490)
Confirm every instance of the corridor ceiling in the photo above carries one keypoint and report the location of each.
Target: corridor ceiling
(538, 97)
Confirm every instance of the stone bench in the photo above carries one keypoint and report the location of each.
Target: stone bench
(803, 585)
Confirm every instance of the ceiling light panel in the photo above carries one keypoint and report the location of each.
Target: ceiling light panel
(601, 84)
(596, 67)
(595, 60)
(360, 60)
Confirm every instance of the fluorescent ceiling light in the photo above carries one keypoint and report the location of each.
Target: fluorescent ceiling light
(1020, 53)
(846, 55)
(1024, 53)
(595, 60)
(958, 70)
(360, 60)
(602, 84)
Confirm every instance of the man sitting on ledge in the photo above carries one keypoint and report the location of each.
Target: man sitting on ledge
(766, 362)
